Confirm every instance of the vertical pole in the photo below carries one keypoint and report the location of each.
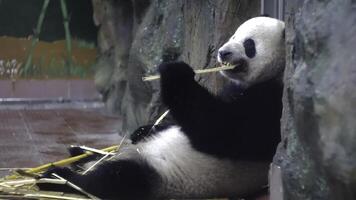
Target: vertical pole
(37, 31)
(67, 35)
(281, 9)
(275, 9)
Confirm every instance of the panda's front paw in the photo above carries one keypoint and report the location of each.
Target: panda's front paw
(177, 79)
(63, 172)
(176, 72)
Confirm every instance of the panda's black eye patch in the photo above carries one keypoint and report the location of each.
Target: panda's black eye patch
(250, 48)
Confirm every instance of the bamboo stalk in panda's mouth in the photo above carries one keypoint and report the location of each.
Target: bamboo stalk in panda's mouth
(198, 71)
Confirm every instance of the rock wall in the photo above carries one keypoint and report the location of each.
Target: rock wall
(317, 156)
(136, 35)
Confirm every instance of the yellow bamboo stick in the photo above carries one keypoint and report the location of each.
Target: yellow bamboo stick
(61, 163)
(67, 161)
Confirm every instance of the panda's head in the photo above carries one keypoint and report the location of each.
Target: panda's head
(256, 51)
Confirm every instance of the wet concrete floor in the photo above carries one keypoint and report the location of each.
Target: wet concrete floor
(29, 138)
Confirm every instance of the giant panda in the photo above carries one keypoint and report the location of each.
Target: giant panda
(221, 145)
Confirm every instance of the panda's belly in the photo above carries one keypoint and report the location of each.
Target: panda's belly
(188, 173)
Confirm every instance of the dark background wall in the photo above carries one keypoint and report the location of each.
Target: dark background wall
(19, 17)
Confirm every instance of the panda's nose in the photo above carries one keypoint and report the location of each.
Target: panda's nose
(225, 54)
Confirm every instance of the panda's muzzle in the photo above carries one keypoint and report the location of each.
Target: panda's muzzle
(240, 66)
(225, 55)
(228, 57)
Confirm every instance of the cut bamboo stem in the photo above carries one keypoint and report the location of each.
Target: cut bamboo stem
(198, 71)
(18, 182)
(95, 164)
(161, 118)
(98, 151)
(12, 169)
(41, 196)
(32, 181)
(105, 156)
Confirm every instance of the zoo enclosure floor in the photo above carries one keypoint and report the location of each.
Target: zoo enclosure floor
(29, 138)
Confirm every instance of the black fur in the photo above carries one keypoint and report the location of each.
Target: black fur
(246, 128)
(265, 15)
(124, 179)
(250, 48)
(146, 131)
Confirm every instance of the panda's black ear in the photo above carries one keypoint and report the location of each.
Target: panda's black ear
(265, 15)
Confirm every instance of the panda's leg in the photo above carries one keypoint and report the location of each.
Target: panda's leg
(120, 179)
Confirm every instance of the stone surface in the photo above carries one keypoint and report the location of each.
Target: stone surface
(317, 155)
(136, 35)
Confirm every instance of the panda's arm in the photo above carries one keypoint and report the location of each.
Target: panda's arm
(195, 109)
(247, 128)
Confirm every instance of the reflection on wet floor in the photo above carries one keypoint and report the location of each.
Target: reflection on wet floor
(29, 138)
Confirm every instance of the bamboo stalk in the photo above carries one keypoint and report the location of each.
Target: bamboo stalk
(119, 147)
(161, 118)
(105, 156)
(18, 182)
(52, 197)
(95, 164)
(198, 71)
(35, 38)
(31, 181)
(12, 169)
(51, 181)
(63, 162)
(98, 151)
(67, 161)
(67, 35)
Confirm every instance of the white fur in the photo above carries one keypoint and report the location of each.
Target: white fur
(270, 52)
(189, 173)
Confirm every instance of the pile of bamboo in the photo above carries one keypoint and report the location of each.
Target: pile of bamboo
(22, 183)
